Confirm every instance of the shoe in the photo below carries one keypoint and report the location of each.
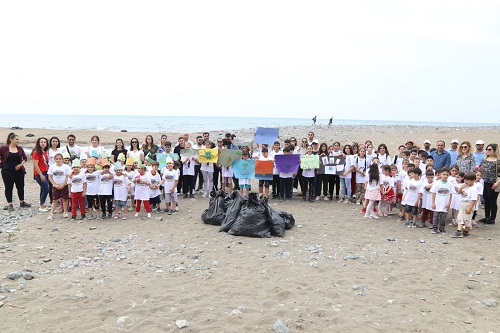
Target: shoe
(103, 216)
(442, 231)
(363, 210)
(116, 217)
(149, 215)
(43, 209)
(191, 196)
(124, 216)
(457, 234)
(304, 198)
(10, 208)
(489, 221)
(24, 204)
(311, 200)
(421, 225)
(484, 219)
(90, 217)
(431, 227)
(408, 224)
(375, 210)
(367, 217)
(65, 215)
(465, 233)
(136, 215)
(316, 199)
(72, 219)
(129, 209)
(413, 225)
(110, 216)
(50, 217)
(373, 215)
(158, 210)
(177, 208)
(326, 198)
(172, 212)
(185, 196)
(82, 217)
(166, 210)
(204, 195)
(434, 231)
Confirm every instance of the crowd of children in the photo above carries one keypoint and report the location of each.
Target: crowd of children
(103, 185)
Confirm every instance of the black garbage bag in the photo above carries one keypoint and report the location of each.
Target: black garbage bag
(289, 219)
(233, 209)
(215, 213)
(276, 222)
(252, 221)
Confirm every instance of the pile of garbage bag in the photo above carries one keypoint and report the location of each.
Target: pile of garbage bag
(251, 216)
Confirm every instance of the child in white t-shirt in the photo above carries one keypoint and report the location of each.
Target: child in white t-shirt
(154, 188)
(92, 177)
(411, 196)
(77, 187)
(426, 196)
(106, 189)
(469, 196)
(130, 173)
(374, 189)
(170, 179)
(121, 190)
(442, 191)
(387, 197)
(58, 177)
(142, 183)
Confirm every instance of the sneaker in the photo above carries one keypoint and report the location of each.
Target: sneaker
(103, 216)
(484, 219)
(431, 227)
(158, 210)
(110, 216)
(413, 225)
(136, 215)
(10, 208)
(204, 195)
(24, 204)
(149, 215)
(166, 210)
(421, 225)
(489, 221)
(373, 215)
(442, 231)
(50, 217)
(326, 198)
(172, 212)
(185, 196)
(316, 199)
(465, 233)
(435, 231)
(124, 216)
(43, 209)
(363, 211)
(116, 217)
(129, 209)
(90, 217)
(191, 196)
(367, 217)
(408, 224)
(457, 234)
(72, 219)
(177, 208)
(65, 215)
(82, 217)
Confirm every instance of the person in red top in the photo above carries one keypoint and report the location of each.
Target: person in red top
(40, 157)
(12, 159)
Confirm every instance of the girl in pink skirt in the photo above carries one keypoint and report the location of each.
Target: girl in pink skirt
(373, 190)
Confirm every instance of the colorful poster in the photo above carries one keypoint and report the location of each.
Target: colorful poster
(287, 162)
(244, 168)
(208, 155)
(309, 161)
(162, 158)
(227, 156)
(266, 135)
(264, 170)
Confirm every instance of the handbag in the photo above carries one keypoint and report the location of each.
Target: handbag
(497, 189)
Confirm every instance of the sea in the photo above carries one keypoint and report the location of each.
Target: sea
(166, 124)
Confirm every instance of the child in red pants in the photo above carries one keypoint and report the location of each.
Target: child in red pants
(77, 187)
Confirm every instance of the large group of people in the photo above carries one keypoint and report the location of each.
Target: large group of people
(103, 183)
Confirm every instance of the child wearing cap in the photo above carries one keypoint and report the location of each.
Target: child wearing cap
(77, 187)
(130, 173)
(105, 189)
(121, 189)
(92, 177)
(142, 183)
(170, 179)
(66, 159)
(58, 177)
(154, 187)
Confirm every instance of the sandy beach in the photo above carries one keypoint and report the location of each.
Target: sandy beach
(333, 272)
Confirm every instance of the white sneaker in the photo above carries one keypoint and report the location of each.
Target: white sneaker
(43, 209)
(149, 215)
(374, 215)
(65, 215)
(367, 217)
(50, 217)
(136, 215)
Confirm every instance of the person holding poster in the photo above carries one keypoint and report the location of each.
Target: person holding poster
(264, 183)
(244, 183)
(308, 176)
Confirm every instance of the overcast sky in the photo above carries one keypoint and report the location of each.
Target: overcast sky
(430, 60)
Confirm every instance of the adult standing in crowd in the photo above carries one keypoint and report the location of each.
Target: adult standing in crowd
(490, 166)
(119, 149)
(453, 151)
(71, 148)
(40, 158)
(12, 160)
(441, 157)
(480, 152)
(465, 160)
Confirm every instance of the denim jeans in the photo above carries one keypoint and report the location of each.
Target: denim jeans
(346, 187)
(44, 187)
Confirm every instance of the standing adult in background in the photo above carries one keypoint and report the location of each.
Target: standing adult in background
(427, 146)
(310, 138)
(453, 151)
(177, 150)
(54, 148)
(12, 160)
(95, 147)
(119, 149)
(197, 166)
(480, 152)
(330, 123)
(217, 166)
(441, 157)
(149, 147)
(465, 160)
(490, 166)
(314, 120)
(71, 148)
(40, 158)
